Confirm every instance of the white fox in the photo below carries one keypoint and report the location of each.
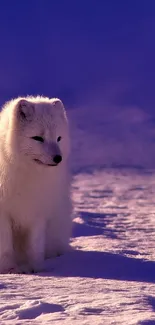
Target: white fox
(35, 201)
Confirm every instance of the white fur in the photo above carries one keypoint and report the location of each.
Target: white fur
(35, 204)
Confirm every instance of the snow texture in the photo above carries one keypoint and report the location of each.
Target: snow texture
(109, 275)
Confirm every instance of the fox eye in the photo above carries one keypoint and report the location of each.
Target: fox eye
(58, 139)
(37, 138)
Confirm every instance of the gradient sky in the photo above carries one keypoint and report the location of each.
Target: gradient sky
(78, 50)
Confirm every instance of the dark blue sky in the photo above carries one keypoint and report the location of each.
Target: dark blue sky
(79, 50)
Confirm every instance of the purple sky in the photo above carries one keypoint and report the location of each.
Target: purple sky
(78, 49)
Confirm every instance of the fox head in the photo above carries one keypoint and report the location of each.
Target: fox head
(37, 131)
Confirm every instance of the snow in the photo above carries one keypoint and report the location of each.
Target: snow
(108, 276)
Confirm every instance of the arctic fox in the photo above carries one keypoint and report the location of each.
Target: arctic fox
(35, 202)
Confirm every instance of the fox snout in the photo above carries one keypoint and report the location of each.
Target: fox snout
(55, 152)
(57, 159)
(52, 157)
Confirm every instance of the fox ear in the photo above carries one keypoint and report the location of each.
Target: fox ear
(57, 103)
(25, 110)
(59, 106)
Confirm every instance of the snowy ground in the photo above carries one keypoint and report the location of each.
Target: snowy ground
(109, 276)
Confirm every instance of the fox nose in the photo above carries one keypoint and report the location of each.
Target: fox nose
(57, 159)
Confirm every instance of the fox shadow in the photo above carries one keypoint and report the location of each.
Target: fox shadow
(101, 264)
(105, 265)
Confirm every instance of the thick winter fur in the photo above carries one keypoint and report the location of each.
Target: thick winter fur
(35, 204)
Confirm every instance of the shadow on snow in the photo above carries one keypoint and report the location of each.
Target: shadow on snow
(105, 265)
